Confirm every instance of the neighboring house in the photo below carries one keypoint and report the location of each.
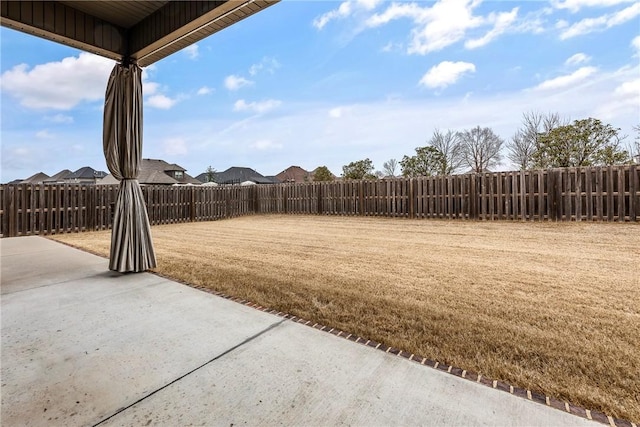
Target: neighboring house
(206, 179)
(38, 178)
(274, 179)
(84, 175)
(245, 176)
(59, 178)
(158, 172)
(295, 174)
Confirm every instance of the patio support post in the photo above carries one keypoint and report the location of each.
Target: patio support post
(131, 244)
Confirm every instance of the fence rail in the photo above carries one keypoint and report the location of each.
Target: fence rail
(572, 194)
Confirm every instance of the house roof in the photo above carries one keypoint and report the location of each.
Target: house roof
(60, 176)
(108, 180)
(151, 177)
(86, 172)
(154, 172)
(36, 178)
(294, 174)
(158, 164)
(237, 175)
(175, 167)
(144, 31)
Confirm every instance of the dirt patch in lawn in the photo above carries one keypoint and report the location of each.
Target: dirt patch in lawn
(552, 307)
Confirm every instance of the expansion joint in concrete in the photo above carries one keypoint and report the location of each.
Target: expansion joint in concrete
(235, 347)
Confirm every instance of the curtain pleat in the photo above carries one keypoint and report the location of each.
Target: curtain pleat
(131, 244)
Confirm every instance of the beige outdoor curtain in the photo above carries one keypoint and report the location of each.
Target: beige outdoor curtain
(131, 244)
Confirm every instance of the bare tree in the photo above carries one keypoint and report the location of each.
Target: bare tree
(480, 148)
(520, 150)
(389, 167)
(448, 144)
(524, 143)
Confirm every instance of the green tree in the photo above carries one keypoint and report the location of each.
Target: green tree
(211, 174)
(322, 173)
(586, 142)
(427, 162)
(361, 169)
(522, 146)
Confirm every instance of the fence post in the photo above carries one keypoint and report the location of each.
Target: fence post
(3, 208)
(361, 197)
(192, 204)
(256, 199)
(285, 198)
(634, 197)
(11, 214)
(412, 199)
(557, 187)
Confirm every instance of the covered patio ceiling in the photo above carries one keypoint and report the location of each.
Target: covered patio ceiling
(142, 32)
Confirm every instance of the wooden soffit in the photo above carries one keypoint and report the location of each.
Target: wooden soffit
(140, 31)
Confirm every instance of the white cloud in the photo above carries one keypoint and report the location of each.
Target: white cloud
(635, 43)
(630, 88)
(175, 147)
(568, 80)
(392, 47)
(234, 82)
(266, 144)
(576, 5)
(258, 107)
(446, 73)
(149, 88)
(59, 85)
(335, 112)
(152, 91)
(345, 9)
(435, 27)
(44, 134)
(624, 98)
(267, 64)
(601, 23)
(338, 112)
(501, 23)
(204, 90)
(192, 51)
(161, 101)
(368, 4)
(578, 58)
(59, 118)
(438, 24)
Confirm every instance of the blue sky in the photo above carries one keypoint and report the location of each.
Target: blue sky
(314, 83)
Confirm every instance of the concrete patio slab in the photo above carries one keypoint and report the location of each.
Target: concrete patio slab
(32, 261)
(90, 347)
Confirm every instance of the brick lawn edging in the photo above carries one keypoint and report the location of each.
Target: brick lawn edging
(458, 372)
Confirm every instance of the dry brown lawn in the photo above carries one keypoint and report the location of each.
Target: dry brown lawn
(552, 307)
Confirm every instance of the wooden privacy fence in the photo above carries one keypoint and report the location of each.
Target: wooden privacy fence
(27, 209)
(572, 194)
